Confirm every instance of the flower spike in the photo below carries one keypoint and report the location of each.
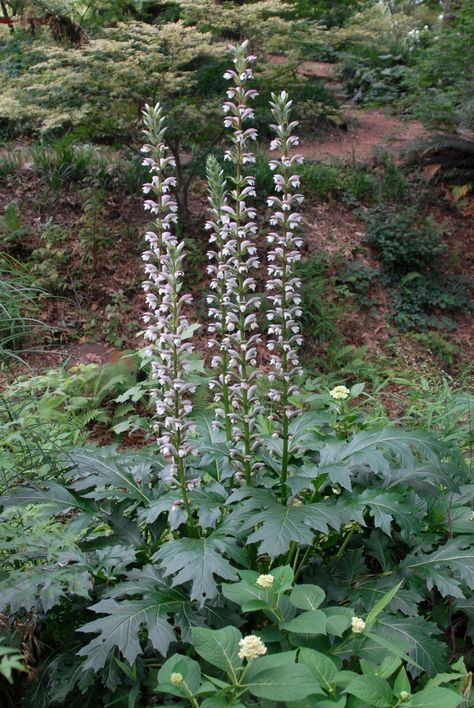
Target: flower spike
(284, 337)
(168, 329)
(238, 256)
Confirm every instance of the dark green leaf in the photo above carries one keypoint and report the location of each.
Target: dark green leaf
(415, 636)
(120, 627)
(196, 560)
(446, 567)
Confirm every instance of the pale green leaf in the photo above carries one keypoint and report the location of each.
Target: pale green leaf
(220, 647)
(307, 597)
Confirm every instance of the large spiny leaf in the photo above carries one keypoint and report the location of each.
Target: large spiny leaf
(370, 448)
(105, 474)
(384, 507)
(122, 623)
(415, 636)
(43, 587)
(198, 561)
(446, 568)
(279, 525)
(54, 497)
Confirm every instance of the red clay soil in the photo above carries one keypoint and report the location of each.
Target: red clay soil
(369, 131)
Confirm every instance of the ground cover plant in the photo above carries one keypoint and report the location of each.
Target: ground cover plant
(281, 546)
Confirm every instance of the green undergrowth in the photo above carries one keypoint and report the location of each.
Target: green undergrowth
(85, 544)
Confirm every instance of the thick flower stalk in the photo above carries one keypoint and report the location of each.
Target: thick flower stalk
(283, 286)
(219, 299)
(168, 330)
(241, 262)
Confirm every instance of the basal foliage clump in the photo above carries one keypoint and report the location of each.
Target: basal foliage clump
(277, 548)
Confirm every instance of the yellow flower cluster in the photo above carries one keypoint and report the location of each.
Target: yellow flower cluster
(251, 647)
(358, 625)
(339, 393)
(265, 581)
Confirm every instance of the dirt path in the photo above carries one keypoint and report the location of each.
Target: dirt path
(368, 131)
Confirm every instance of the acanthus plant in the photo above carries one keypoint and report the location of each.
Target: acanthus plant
(261, 491)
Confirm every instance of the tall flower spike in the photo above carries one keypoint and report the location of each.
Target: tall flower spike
(240, 254)
(283, 286)
(218, 299)
(168, 330)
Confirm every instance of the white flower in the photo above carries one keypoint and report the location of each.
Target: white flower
(176, 678)
(282, 285)
(234, 256)
(358, 625)
(251, 647)
(339, 393)
(404, 695)
(265, 581)
(471, 517)
(165, 319)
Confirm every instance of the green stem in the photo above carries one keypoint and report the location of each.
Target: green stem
(193, 530)
(190, 698)
(345, 542)
(284, 459)
(241, 293)
(303, 562)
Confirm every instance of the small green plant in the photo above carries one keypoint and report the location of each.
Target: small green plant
(63, 163)
(93, 234)
(443, 349)
(359, 278)
(12, 228)
(403, 243)
(320, 309)
(10, 161)
(411, 253)
(11, 660)
(115, 312)
(353, 182)
(393, 185)
(18, 306)
(50, 263)
(374, 76)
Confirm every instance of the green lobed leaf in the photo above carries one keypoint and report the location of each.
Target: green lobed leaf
(105, 473)
(198, 561)
(446, 567)
(278, 525)
(415, 636)
(123, 620)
